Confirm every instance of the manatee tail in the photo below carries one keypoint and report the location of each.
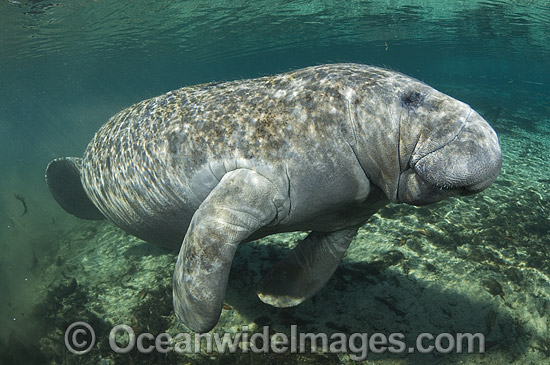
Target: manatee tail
(63, 179)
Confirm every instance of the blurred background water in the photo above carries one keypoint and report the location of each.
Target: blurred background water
(68, 65)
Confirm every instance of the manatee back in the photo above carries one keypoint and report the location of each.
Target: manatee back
(151, 165)
(63, 179)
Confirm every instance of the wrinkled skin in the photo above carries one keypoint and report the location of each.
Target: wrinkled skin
(318, 149)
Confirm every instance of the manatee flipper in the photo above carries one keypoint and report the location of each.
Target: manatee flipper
(306, 269)
(241, 203)
(63, 179)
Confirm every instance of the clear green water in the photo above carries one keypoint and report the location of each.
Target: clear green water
(66, 66)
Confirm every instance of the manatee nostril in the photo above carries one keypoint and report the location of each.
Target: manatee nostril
(412, 98)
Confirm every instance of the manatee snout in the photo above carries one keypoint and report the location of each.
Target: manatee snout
(469, 163)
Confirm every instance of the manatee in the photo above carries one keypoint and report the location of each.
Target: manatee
(320, 149)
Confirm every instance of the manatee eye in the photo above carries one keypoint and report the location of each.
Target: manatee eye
(412, 98)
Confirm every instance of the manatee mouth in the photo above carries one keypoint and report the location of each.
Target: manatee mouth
(415, 190)
(466, 165)
(417, 187)
(439, 172)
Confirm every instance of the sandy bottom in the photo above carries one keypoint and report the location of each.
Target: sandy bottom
(472, 265)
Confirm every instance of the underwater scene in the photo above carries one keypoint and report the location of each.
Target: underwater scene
(462, 280)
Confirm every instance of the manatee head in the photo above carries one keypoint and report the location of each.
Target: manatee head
(421, 146)
(458, 154)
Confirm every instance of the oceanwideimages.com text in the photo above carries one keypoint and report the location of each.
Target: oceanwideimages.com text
(80, 339)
